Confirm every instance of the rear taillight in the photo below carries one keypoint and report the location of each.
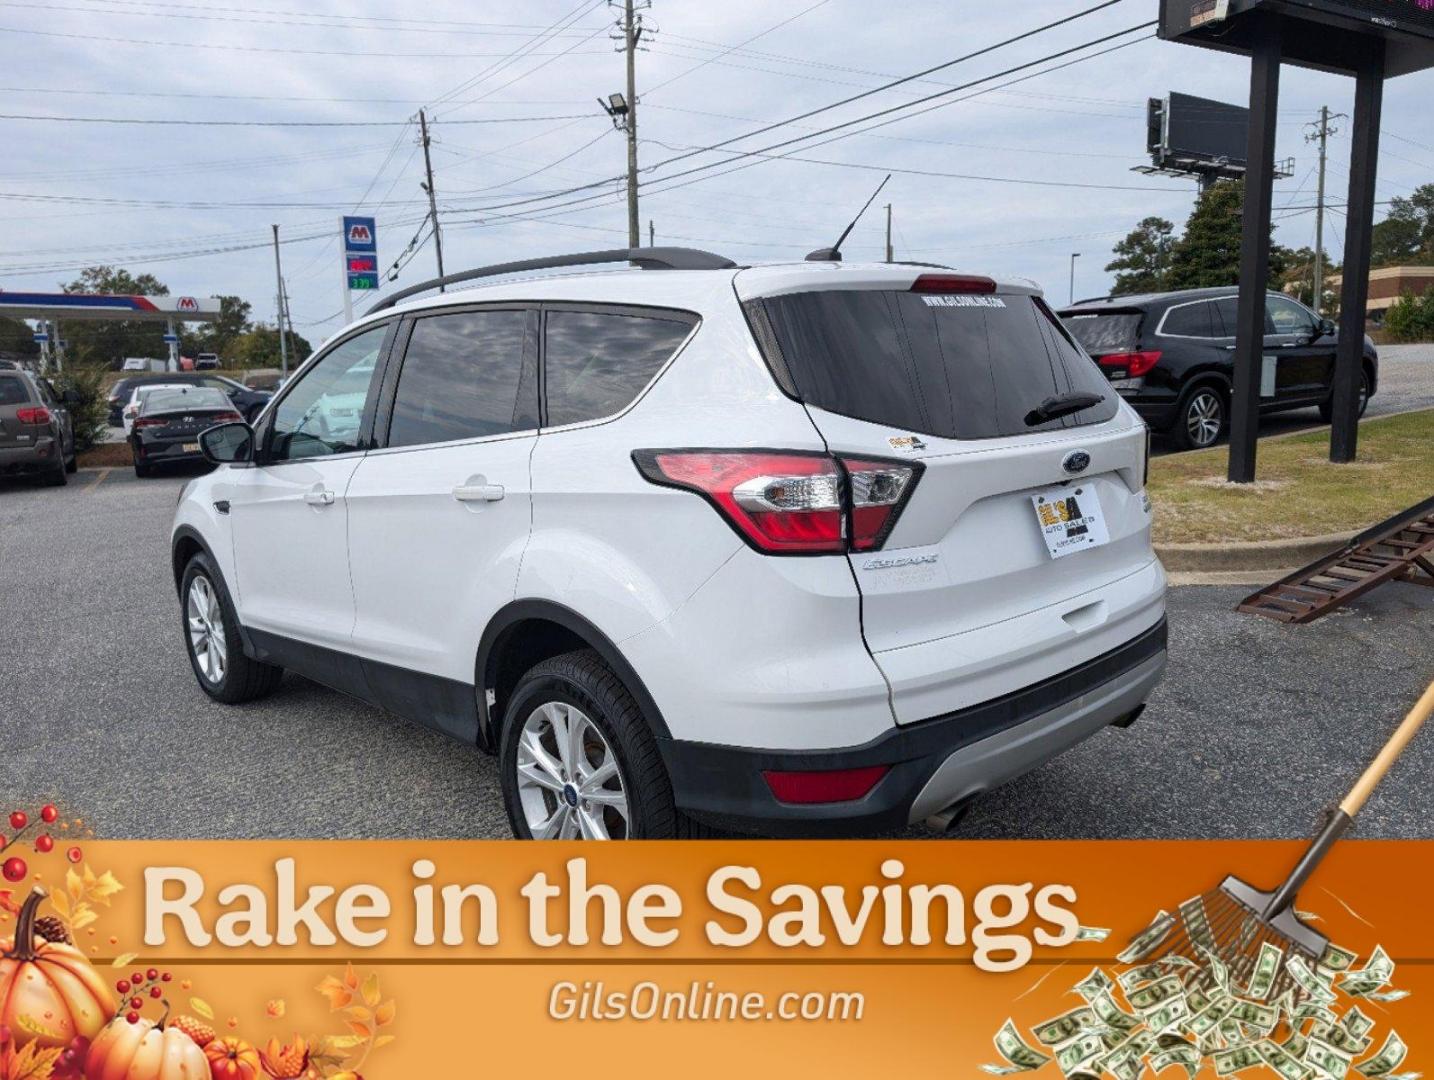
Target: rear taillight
(150, 421)
(1133, 364)
(791, 503)
(826, 786)
(37, 414)
(953, 283)
(227, 418)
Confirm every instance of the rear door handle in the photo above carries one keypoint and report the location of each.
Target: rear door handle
(478, 492)
(319, 498)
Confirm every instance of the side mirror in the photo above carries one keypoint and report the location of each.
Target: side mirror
(1327, 327)
(227, 444)
(72, 398)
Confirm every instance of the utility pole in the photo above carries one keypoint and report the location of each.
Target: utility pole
(890, 255)
(632, 32)
(279, 302)
(432, 195)
(1321, 135)
(286, 328)
(1074, 256)
(651, 234)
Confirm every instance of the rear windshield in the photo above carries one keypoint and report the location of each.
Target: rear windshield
(1101, 335)
(953, 366)
(199, 397)
(12, 391)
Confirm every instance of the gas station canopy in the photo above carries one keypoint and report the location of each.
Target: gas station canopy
(27, 305)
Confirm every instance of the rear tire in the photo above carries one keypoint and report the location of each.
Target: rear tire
(72, 466)
(578, 759)
(211, 637)
(59, 476)
(1201, 418)
(1326, 411)
(141, 469)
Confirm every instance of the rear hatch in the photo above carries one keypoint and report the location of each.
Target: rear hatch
(15, 397)
(949, 374)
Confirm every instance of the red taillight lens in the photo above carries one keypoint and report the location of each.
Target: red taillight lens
(1135, 364)
(33, 415)
(837, 785)
(788, 502)
(227, 418)
(879, 489)
(150, 421)
(953, 283)
(780, 502)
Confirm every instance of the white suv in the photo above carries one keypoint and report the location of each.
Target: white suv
(783, 549)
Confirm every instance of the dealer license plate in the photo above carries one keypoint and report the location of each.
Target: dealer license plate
(1070, 519)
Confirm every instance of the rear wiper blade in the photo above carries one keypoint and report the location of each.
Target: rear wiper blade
(1053, 408)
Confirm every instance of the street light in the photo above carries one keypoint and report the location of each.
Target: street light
(1074, 256)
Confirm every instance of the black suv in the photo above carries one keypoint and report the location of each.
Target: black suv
(1172, 356)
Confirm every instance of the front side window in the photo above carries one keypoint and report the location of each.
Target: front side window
(323, 413)
(1289, 317)
(464, 377)
(596, 363)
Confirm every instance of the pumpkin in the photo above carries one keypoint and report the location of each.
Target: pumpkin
(144, 1051)
(233, 1059)
(49, 993)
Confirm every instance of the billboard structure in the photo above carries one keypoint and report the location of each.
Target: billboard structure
(1189, 136)
(1372, 40)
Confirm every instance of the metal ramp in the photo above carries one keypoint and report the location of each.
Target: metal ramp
(1399, 549)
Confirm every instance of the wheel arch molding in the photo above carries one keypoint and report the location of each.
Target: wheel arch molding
(183, 546)
(526, 632)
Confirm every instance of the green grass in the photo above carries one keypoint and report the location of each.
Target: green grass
(1297, 492)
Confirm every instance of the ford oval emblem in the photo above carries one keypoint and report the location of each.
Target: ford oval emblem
(1077, 461)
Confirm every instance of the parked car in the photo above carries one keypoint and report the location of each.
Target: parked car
(136, 400)
(166, 431)
(263, 379)
(248, 402)
(207, 361)
(1172, 357)
(141, 363)
(36, 435)
(796, 548)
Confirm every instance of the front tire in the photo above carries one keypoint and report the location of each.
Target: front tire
(211, 637)
(1201, 418)
(578, 760)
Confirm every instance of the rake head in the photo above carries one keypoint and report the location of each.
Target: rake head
(1231, 924)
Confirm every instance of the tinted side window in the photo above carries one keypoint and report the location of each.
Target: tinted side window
(1227, 310)
(596, 363)
(323, 413)
(464, 377)
(1188, 320)
(12, 391)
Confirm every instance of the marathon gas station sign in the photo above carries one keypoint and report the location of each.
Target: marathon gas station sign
(360, 252)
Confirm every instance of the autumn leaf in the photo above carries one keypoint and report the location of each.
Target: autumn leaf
(371, 994)
(363, 1031)
(61, 903)
(359, 1013)
(336, 1043)
(103, 888)
(384, 1014)
(351, 979)
(338, 994)
(7, 902)
(202, 1007)
(276, 1008)
(124, 960)
(31, 1062)
(84, 915)
(383, 1040)
(74, 885)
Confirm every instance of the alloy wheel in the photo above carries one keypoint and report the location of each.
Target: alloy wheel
(204, 618)
(1204, 417)
(569, 782)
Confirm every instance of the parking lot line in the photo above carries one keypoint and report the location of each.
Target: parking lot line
(98, 480)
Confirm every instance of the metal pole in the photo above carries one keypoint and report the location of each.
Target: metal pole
(1255, 252)
(890, 254)
(651, 234)
(1074, 256)
(632, 32)
(288, 319)
(1319, 212)
(1354, 291)
(279, 303)
(432, 196)
(169, 330)
(344, 266)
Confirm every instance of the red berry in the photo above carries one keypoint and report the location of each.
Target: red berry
(132, 1017)
(15, 869)
(155, 992)
(152, 974)
(44, 844)
(136, 1003)
(122, 986)
(74, 854)
(166, 977)
(18, 820)
(48, 814)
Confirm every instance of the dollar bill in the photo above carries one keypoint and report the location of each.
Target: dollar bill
(1186, 1056)
(1208, 1019)
(1391, 1055)
(1143, 974)
(1079, 1053)
(1262, 1017)
(1020, 1056)
(1197, 923)
(1267, 967)
(1313, 1010)
(1340, 1037)
(1064, 1028)
(1355, 1022)
(1217, 969)
(1329, 1060)
(1236, 1059)
(1168, 1015)
(1296, 1044)
(1153, 995)
(1149, 939)
(1092, 933)
(1375, 974)
(1094, 984)
(1387, 996)
(1308, 981)
(1112, 1015)
(1336, 959)
(1282, 1061)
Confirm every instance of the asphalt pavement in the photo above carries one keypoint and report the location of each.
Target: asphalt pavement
(1257, 727)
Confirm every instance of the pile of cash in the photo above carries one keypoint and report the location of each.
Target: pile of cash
(1300, 1018)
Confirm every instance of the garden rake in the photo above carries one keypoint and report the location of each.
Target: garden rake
(1233, 922)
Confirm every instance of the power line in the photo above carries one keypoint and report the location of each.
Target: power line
(166, 122)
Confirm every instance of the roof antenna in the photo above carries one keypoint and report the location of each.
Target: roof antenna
(833, 253)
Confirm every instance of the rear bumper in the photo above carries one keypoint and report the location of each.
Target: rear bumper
(35, 458)
(164, 453)
(932, 764)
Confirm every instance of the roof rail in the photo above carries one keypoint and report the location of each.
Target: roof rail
(649, 258)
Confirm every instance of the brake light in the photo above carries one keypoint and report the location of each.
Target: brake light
(150, 421)
(833, 786)
(953, 283)
(1135, 364)
(789, 502)
(227, 418)
(33, 415)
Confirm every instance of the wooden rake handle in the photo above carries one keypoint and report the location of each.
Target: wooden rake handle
(1364, 787)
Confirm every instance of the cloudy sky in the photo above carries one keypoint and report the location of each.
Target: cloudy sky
(302, 112)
